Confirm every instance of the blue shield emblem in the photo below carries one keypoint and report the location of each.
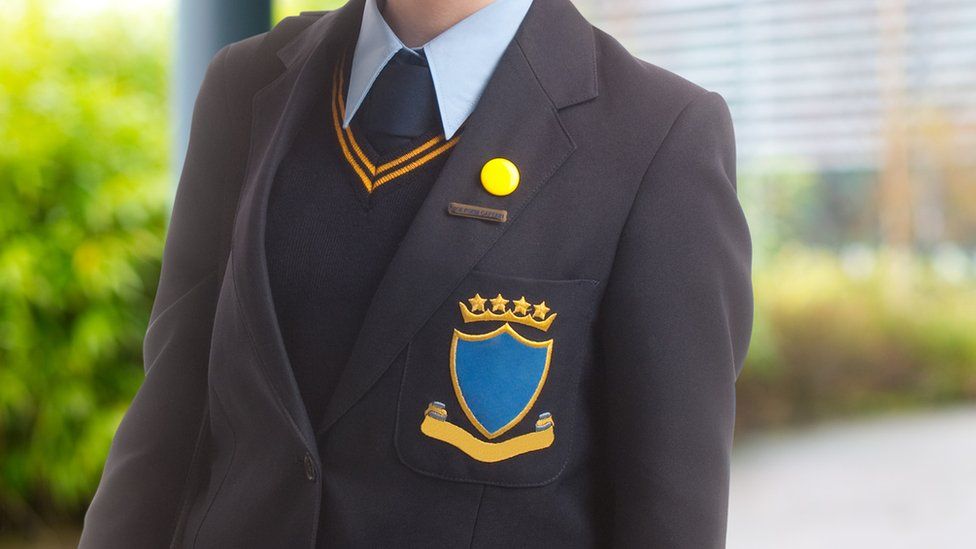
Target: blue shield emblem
(498, 376)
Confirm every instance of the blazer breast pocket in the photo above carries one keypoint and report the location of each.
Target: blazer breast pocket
(490, 385)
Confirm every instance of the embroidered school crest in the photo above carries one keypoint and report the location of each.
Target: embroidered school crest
(497, 377)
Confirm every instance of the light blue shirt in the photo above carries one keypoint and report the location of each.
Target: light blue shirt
(461, 59)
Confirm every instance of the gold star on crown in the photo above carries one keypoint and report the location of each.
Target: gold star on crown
(496, 308)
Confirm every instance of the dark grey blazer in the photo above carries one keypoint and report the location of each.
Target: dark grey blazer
(626, 223)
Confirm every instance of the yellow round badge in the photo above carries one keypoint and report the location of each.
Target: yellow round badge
(499, 176)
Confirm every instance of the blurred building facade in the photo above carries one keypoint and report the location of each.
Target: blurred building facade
(872, 95)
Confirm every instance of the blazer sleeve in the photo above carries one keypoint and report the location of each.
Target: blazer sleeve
(677, 320)
(138, 500)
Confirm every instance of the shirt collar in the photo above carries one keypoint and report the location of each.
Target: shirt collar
(461, 59)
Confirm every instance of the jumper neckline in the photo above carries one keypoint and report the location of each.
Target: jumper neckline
(373, 169)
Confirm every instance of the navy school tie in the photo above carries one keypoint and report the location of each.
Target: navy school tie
(401, 104)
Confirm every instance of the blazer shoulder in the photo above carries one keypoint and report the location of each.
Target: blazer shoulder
(653, 91)
(239, 63)
(641, 106)
(241, 51)
(255, 58)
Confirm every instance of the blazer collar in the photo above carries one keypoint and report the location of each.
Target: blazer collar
(549, 65)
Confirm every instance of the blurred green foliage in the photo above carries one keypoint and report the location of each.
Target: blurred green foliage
(83, 194)
(854, 330)
(856, 333)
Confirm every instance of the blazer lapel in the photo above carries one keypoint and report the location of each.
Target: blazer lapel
(550, 64)
(277, 111)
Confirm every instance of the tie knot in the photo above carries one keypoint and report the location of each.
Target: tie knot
(410, 57)
(402, 103)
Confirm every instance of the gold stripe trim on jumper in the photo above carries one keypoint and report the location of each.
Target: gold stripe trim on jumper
(370, 175)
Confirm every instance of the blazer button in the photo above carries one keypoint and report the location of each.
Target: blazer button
(309, 467)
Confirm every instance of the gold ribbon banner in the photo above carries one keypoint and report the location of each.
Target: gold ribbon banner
(436, 426)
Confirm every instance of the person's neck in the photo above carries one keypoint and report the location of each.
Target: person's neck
(416, 22)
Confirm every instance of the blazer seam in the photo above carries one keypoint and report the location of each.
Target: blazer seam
(267, 379)
(633, 203)
(647, 170)
(179, 299)
(228, 225)
(535, 75)
(477, 515)
(545, 92)
(185, 493)
(223, 478)
(573, 100)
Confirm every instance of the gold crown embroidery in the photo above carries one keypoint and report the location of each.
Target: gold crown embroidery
(497, 309)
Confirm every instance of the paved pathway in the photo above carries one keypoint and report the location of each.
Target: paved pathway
(898, 482)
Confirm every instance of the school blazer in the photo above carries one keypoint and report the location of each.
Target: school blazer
(610, 426)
